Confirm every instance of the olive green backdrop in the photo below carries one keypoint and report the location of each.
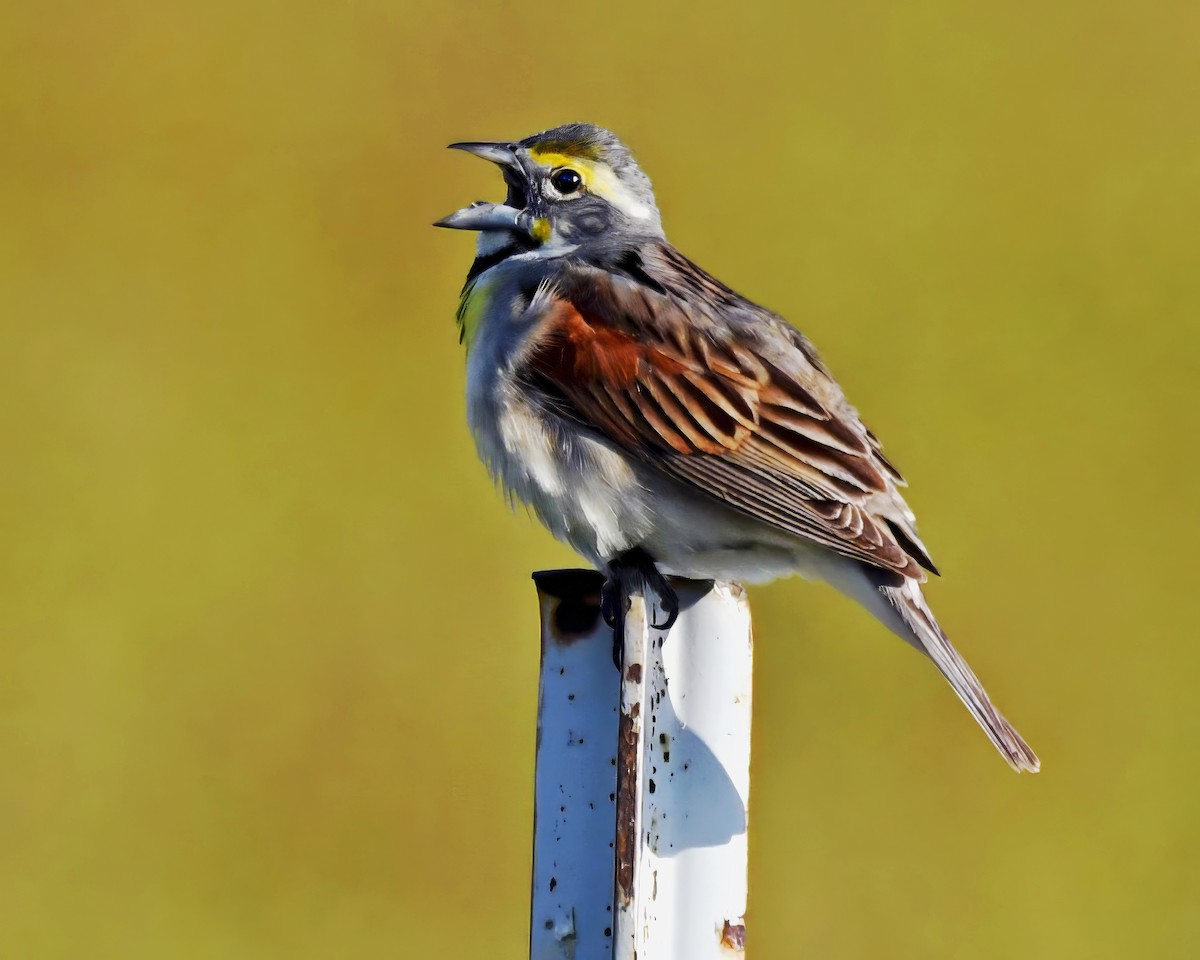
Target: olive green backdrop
(268, 651)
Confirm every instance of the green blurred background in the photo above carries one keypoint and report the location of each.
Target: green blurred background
(268, 645)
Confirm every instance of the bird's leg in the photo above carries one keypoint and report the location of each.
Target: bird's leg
(614, 604)
(627, 572)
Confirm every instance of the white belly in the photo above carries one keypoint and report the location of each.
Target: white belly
(599, 501)
(586, 493)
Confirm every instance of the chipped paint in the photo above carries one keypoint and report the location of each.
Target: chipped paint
(629, 754)
(733, 935)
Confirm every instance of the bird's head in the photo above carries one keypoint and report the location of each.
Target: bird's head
(567, 187)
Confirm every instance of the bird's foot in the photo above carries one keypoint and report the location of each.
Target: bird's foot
(631, 571)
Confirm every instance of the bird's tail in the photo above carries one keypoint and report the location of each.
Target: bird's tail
(908, 606)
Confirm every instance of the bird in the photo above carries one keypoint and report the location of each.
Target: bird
(661, 424)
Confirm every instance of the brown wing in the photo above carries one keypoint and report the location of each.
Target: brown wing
(738, 407)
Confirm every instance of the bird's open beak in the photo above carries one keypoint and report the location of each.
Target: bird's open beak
(502, 154)
(494, 216)
(485, 216)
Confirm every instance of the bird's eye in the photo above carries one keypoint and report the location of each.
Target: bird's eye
(566, 180)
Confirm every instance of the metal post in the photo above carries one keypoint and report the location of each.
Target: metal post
(642, 780)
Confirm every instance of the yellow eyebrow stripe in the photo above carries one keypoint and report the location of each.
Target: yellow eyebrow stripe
(593, 175)
(598, 178)
(553, 158)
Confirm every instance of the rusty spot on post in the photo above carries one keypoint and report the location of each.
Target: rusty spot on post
(629, 763)
(627, 768)
(576, 606)
(733, 935)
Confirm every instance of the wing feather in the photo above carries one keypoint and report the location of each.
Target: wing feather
(725, 397)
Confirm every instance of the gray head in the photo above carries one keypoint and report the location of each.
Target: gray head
(566, 187)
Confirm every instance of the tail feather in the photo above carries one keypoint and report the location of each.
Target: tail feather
(908, 602)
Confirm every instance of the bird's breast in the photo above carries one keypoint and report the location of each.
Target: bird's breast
(583, 490)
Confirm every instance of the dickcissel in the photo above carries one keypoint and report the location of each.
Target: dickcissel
(660, 423)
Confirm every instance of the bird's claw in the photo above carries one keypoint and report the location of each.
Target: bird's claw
(669, 602)
(610, 597)
(635, 568)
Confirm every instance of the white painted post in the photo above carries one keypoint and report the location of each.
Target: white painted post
(643, 780)
(575, 786)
